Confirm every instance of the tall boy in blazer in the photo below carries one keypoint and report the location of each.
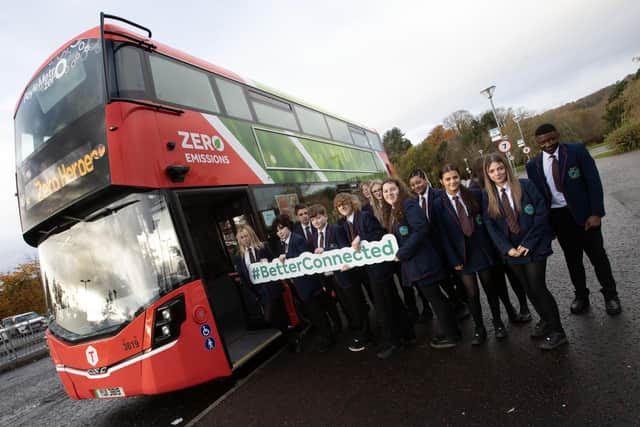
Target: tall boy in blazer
(567, 177)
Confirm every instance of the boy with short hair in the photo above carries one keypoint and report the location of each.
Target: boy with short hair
(308, 287)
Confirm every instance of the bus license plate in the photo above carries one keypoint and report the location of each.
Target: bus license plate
(105, 393)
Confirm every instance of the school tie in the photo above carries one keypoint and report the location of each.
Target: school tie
(510, 216)
(307, 234)
(425, 211)
(351, 232)
(252, 255)
(284, 247)
(555, 171)
(321, 245)
(465, 221)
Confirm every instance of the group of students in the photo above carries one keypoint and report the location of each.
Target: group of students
(447, 239)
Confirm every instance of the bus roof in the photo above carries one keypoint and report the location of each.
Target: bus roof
(182, 56)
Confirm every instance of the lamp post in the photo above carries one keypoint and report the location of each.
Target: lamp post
(488, 92)
(516, 119)
(467, 165)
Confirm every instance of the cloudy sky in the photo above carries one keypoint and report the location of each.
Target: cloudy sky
(380, 63)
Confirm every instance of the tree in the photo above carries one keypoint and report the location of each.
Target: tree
(395, 144)
(22, 290)
(614, 113)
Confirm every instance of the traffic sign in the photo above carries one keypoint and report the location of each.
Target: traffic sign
(526, 150)
(504, 146)
(521, 143)
(495, 134)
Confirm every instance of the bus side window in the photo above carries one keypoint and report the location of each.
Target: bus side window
(339, 130)
(183, 85)
(233, 99)
(312, 122)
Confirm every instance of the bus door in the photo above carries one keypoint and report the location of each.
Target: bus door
(212, 216)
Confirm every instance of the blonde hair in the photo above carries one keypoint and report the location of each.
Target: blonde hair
(253, 237)
(375, 203)
(490, 186)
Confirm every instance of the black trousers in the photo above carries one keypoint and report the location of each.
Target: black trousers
(356, 304)
(391, 316)
(316, 308)
(575, 241)
(533, 277)
(275, 313)
(442, 308)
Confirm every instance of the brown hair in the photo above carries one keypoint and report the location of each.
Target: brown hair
(490, 187)
(343, 199)
(467, 196)
(317, 209)
(391, 214)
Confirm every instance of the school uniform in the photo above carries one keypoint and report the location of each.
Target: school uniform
(309, 289)
(270, 293)
(421, 264)
(326, 240)
(528, 228)
(475, 252)
(391, 316)
(577, 196)
(534, 230)
(306, 231)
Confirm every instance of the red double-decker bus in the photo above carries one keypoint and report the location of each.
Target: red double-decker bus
(135, 163)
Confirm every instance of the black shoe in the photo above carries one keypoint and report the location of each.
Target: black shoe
(580, 305)
(443, 342)
(479, 336)
(500, 331)
(387, 352)
(540, 330)
(553, 341)
(613, 306)
(520, 318)
(357, 345)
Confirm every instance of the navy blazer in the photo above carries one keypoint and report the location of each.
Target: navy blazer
(297, 228)
(474, 253)
(368, 228)
(308, 285)
(580, 180)
(265, 291)
(535, 232)
(419, 259)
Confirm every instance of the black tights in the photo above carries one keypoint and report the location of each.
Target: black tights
(533, 278)
(500, 284)
(470, 283)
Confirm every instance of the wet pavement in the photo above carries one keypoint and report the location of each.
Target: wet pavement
(592, 381)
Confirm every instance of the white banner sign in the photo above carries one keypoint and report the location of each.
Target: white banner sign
(333, 260)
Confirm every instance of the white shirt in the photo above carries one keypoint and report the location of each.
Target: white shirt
(424, 200)
(507, 189)
(453, 202)
(247, 255)
(557, 198)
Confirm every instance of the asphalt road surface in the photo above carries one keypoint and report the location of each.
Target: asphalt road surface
(592, 381)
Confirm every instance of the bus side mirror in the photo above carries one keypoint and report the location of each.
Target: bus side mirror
(177, 172)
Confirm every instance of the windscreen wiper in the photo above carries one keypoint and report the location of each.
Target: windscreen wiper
(108, 211)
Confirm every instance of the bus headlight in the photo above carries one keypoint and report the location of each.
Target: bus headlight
(167, 321)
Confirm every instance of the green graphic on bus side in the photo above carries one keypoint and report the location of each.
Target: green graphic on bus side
(329, 156)
(279, 151)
